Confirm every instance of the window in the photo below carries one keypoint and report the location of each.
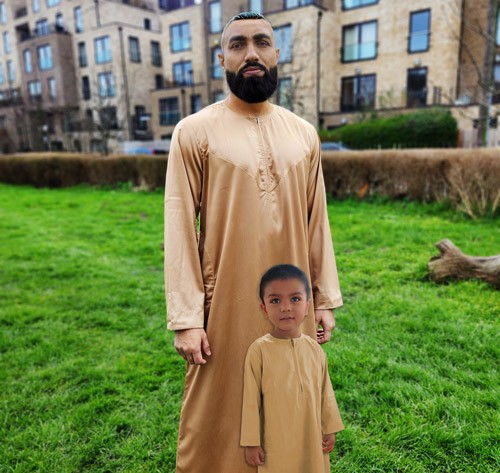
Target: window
(217, 72)
(359, 42)
(53, 3)
(42, 27)
(85, 88)
(102, 49)
(28, 66)
(219, 95)
(108, 118)
(256, 6)
(348, 4)
(169, 111)
(2, 74)
(11, 71)
(215, 17)
(285, 93)
(59, 22)
(3, 13)
(7, 47)
(155, 53)
(78, 17)
(416, 95)
(498, 28)
(159, 82)
(182, 72)
(106, 83)
(141, 123)
(357, 93)
(283, 38)
(35, 89)
(419, 31)
(196, 104)
(180, 38)
(134, 49)
(174, 4)
(296, 3)
(147, 24)
(82, 54)
(35, 6)
(51, 83)
(45, 57)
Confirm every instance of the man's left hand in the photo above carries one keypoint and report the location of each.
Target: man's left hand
(325, 323)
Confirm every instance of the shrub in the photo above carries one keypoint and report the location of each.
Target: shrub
(429, 128)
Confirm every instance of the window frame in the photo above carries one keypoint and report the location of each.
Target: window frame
(7, 43)
(280, 102)
(282, 59)
(78, 19)
(173, 38)
(412, 104)
(359, 26)
(217, 72)
(86, 92)
(134, 49)
(360, 5)
(82, 54)
(211, 19)
(110, 89)
(38, 89)
(51, 87)
(296, 4)
(105, 41)
(182, 64)
(168, 116)
(52, 3)
(28, 61)
(3, 13)
(356, 96)
(45, 63)
(156, 59)
(410, 34)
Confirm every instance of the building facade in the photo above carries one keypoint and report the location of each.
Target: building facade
(90, 74)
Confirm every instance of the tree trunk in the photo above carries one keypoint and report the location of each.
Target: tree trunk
(453, 264)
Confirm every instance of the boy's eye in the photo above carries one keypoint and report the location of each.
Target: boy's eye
(275, 301)
(296, 299)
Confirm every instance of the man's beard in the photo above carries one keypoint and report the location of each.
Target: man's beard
(253, 89)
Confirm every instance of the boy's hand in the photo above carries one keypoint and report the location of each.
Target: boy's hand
(328, 442)
(255, 456)
(191, 344)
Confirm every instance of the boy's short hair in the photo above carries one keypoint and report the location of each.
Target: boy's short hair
(282, 272)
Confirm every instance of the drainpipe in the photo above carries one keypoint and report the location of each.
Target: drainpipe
(125, 83)
(318, 68)
(97, 14)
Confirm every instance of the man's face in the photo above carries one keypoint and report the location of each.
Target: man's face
(250, 60)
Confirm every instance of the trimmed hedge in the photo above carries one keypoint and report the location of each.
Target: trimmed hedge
(429, 128)
(65, 170)
(469, 177)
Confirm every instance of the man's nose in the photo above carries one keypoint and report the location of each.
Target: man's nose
(252, 54)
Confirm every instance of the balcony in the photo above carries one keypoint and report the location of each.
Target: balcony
(143, 4)
(43, 30)
(10, 97)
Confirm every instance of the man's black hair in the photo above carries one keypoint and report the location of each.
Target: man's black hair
(282, 272)
(244, 15)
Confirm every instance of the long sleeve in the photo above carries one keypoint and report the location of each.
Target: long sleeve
(183, 276)
(252, 400)
(331, 421)
(324, 278)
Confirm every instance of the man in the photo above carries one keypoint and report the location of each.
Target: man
(250, 172)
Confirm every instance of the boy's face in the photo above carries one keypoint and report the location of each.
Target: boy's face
(286, 305)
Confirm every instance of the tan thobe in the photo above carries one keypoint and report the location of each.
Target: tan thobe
(288, 404)
(257, 187)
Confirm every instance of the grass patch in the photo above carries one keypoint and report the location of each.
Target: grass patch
(90, 380)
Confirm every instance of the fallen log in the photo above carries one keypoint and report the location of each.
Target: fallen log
(451, 263)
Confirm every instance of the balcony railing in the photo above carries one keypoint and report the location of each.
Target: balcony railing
(144, 4)
(44, 30)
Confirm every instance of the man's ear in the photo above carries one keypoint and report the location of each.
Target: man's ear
(221, 59)
(277, 54)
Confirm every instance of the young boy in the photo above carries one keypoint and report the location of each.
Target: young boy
(289, 415)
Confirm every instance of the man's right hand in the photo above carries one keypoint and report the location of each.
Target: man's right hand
(191, 343)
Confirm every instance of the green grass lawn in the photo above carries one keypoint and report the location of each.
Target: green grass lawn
(90, 381)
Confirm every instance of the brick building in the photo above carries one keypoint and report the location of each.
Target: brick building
(90, 74)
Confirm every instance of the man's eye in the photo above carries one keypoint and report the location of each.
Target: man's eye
(263, 43)
(235, 46)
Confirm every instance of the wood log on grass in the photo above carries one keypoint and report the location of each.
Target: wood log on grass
(453, 264)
